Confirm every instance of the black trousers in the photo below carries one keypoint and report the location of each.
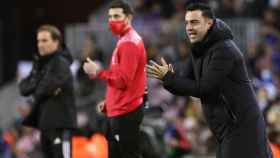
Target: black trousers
(56, 143)
(124, 135)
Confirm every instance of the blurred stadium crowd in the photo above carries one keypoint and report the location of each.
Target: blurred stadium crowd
(173, 126)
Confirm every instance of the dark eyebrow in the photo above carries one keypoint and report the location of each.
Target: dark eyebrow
(114, 15)
(192, 21)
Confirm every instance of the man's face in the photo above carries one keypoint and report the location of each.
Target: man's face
(197, 25)
(46, 45)
(116, 14)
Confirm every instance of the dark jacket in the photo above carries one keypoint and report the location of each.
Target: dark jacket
(217, 74)
(50, 84)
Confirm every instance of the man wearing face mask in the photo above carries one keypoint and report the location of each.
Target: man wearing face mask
(126, 81)
(216, 73)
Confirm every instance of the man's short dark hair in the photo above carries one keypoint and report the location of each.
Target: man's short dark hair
(53, 30)
(127, 9)
(204, 8)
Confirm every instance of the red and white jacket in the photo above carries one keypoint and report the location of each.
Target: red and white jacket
(126, 76)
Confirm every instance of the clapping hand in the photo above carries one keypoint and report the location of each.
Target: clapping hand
(159, 71)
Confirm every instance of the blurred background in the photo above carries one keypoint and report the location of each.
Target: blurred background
(173, 126)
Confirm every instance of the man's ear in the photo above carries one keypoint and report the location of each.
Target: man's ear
(129, 17)
(210, 22)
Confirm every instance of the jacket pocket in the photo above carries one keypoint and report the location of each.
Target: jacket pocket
(229, 110)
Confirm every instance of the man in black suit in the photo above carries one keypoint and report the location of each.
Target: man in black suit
(50, 85)
(216, 73)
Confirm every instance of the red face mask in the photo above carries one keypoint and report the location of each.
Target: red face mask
(117, 27)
